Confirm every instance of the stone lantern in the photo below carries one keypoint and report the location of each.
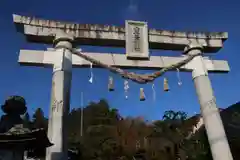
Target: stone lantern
(15, 138)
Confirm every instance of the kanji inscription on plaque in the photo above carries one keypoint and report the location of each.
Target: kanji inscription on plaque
(136, 35)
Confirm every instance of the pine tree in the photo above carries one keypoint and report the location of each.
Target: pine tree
(26, 120)
(39, 121)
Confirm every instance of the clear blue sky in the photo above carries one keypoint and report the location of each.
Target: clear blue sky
(35, 83)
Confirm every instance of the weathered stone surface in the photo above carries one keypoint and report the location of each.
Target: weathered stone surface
(47, 58)
(43, 31)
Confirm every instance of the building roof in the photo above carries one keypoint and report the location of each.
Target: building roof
(36, 138)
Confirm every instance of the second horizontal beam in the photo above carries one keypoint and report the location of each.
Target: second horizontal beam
(47, 59)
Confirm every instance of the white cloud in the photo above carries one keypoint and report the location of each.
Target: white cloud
(133, 6)
(131, 12)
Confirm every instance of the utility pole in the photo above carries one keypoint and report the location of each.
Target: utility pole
(81, 131)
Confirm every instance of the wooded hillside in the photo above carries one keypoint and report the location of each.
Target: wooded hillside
(107, 135)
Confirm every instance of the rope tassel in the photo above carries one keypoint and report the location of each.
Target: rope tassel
(110, 84)
(142, 95)
(165, 85)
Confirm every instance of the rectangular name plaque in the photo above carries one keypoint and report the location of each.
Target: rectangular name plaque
(136, 40)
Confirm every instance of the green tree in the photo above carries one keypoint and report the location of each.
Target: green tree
(171, 128)
(198, 146)
(99, 126)
(26, 120)
(109, 136)
(39, 121)
(26, 117)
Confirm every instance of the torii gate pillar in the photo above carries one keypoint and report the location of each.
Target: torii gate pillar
(211, 117)
(60, 98)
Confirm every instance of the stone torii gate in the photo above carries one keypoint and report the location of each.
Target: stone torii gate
(65, 35)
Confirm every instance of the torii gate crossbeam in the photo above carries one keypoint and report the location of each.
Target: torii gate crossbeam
(47, 59)
(42, 31)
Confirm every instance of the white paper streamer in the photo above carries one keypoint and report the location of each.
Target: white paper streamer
(154, 92)
(179, 78)
(91, 73)
(126, 87)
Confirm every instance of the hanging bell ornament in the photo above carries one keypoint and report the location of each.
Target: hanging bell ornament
(110, 84)
(165, 85)
(142, 95)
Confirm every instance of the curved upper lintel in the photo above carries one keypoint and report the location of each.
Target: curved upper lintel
(42, 31)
